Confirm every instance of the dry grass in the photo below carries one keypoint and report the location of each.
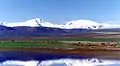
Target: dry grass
(108, 32)
(110, 36)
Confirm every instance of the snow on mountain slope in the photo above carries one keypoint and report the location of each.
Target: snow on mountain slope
(86, 24)
(82, 24)
(32, 23)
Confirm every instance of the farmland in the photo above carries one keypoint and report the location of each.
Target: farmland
(92, 40)
(61, 43)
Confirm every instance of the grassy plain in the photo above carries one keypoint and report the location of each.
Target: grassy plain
(61, 43)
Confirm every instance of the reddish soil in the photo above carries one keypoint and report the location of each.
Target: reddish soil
(107, 53)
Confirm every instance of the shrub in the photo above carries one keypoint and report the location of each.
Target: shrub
(12, 41)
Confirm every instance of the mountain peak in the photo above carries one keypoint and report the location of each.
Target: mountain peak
(38, 20)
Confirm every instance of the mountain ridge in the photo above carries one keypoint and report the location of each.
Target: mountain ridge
(75, 24)
(40, 28)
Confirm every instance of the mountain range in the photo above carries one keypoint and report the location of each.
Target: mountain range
(39, 27)
(75, 24)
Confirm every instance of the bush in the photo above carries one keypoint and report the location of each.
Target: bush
(12, 41)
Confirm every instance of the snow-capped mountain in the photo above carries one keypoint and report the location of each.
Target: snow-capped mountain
(85, 24)
(32, 23)
(39, 27)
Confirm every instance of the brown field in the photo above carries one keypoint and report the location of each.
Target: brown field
(108, 34)
(107, 53)
(89, 44)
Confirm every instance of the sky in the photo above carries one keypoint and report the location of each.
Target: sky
(58, 11)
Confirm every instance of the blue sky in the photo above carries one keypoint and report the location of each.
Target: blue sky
(57, 11)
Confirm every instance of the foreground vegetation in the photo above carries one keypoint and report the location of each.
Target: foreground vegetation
(28, 43)
(53, 43)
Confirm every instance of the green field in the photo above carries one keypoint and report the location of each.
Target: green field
(78, 39)
(28, 43)
(46, 42)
